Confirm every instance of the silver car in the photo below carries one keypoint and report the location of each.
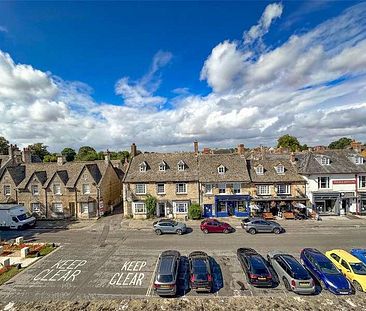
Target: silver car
(294, 275)
(169, 226)
(255, 225)
(165, 283)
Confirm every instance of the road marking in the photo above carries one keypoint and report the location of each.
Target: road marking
(148, 292)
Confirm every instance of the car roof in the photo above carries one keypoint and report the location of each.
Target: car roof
(166, 264)
(166, 220)
(345, 255)
(170, 253)
(247, 251)
(198, 254)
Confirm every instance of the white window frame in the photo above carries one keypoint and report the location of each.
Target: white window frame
(162, 167)
(6, 188)
(264, 190)
(57, 186)
(222, 188)
(208, 188)
(181, 166)
(139, 208)
(36, 208)
(221, 169)
(259, 170)
(157, 188)
(86, 188)
(178, 205)
(140, 189)
(280, 169)
(236, 188)
(327, 183)
(183, 188)
(143, 167)
(34, 188)
(286, 187)
(362, 180)
(324, 161)
(56, 207)
(359, 160)
(82, 207)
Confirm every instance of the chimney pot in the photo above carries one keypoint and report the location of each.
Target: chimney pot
(61, 159)
(195, 145)
(133, 150)
(241, 149)
(26, 155)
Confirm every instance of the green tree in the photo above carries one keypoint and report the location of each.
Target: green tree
(150, 203)
(87, 153)
(52, 157)
(39, 149)
(4, 145)
(69, 154)
(340, 143)
(194, 211)
(288, 141)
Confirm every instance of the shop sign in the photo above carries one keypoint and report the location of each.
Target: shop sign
(344, 182)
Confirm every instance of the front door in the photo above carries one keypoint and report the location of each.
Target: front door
(207, 210)
(230, 208)
(72, 209)
(161, 209)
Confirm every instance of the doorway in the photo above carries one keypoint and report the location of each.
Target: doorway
(161, 209)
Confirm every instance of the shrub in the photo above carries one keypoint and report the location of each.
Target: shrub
(194, 211)
(150, 203)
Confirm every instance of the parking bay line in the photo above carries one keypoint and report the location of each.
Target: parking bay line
(148, 292)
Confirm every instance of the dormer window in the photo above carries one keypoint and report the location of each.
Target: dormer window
(324, 161)
(359, 160)
(280, 169)
(162, 166)
(259, 170)
(143, 167)
(221, 169)
(181, 166)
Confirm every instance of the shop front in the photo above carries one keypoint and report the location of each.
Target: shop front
(362, 203)
(277, 205)
(232, 205)
(327, 203)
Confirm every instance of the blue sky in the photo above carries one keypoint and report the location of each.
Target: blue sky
(165, 73)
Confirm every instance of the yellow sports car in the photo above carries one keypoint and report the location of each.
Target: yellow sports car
(353, 269)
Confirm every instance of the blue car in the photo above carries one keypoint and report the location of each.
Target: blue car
(325, 272)
(360, 254)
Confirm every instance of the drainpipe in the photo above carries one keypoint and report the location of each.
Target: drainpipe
(357, 200)
(98, 196)
(76, 204)
(46, 201)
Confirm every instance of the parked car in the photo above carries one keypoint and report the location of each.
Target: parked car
(352, 268)
(200, 271)
(165, 283)
(255, 225)
(328, 276)
(293, 274)
(213, 225)
(360, 254)
(169, 226)
(255, 267)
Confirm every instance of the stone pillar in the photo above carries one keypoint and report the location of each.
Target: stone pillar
(19, 240)
(24, 252)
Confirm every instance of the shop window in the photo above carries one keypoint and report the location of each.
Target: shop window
(221, 207)
(242, 206)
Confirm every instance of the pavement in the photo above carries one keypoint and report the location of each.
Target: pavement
(110, 259)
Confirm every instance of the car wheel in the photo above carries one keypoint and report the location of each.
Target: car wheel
(287, 284)
(205, 231)
(158, 232)
(322, 285)
(252, 231)
(277, 230)
(226, 231)
(179, 232)
(357, 286)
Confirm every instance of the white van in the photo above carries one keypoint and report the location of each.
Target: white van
(15, 216)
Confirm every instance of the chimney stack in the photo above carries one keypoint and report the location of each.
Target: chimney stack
(195, 145)
(133, 150)
(26, 155)
(292, 157)
(61, 160)
(107, 156)
(241, 149)
(10, 152)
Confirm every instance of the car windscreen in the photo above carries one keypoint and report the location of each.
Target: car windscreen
(258, 266)
(23, 216)
(164, 278)
(199, 269)
(298, 271)
(327, 267)
(358, 268)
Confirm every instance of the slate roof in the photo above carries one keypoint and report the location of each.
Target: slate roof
(171, 173)
(340, 163)
(16, 173)
(269, 162)
(235, 168)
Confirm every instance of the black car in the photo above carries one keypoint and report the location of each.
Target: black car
(255, 267)
(200, 271)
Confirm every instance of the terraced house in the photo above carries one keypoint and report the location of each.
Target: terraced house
(62, 189)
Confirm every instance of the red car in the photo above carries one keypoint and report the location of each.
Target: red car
(213, 225)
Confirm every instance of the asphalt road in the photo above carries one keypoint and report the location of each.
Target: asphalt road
(106, 261)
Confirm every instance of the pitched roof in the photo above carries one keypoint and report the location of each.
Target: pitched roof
(171, 172)
(269, 162)
(235, 168)
(17, 173)
(340, 163)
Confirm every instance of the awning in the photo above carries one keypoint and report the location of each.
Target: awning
(326, 195)
(279, 199)
(233, 197)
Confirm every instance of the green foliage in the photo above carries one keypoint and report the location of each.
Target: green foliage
(87, 153)
(194, 211)
(340, 143)
(7, 273)
(150, 203)
(69, 154)
(4, 145)
(52, 157)
(288, 141)
(39, 149)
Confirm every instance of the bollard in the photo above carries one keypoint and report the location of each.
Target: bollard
(19, 240)
(1, 250)
(6, 262)
(24, 252)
